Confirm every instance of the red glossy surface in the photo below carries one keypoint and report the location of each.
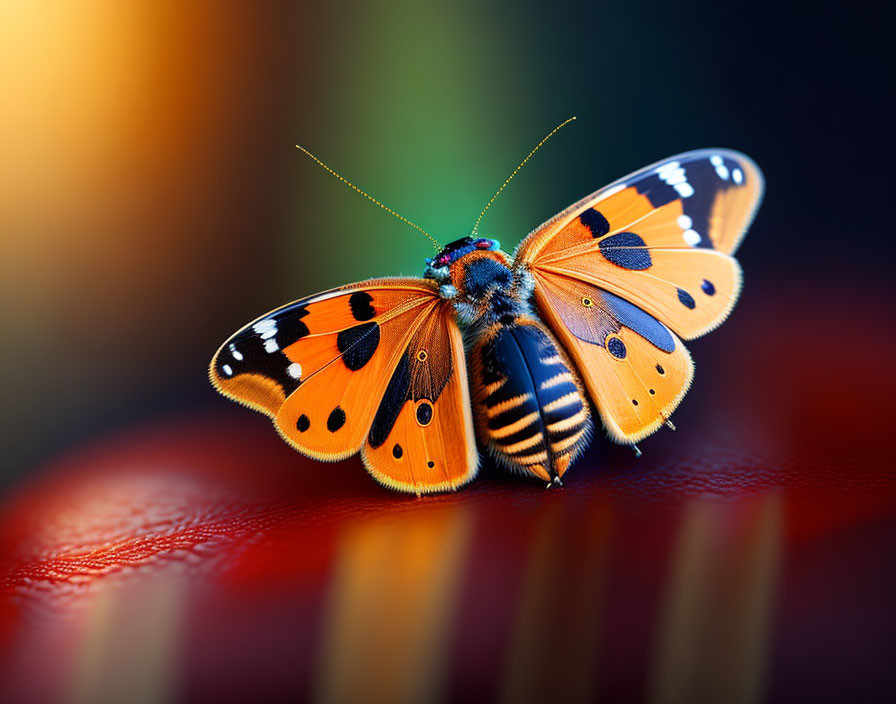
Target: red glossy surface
(748, 552)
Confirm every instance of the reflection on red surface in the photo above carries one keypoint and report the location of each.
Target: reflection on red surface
(750, 552)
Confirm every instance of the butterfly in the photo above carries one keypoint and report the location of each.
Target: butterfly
(518, 353)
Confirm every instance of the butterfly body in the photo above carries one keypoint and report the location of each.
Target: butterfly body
(529, 406)
(531, 411)
(585, 320)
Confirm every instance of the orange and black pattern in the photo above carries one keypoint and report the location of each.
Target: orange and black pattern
(586, 318)
(531, 411)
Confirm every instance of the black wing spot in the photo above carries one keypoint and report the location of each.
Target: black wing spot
(336, 419)
(251, 353)
(424, 413)
(361, 305)
(358, 344)
(687, 300)
(658, 192)
(708, 287)
(390, 406)
(430, 464)
(302, 424)
(660, 369)
(595, 221)
(290, 327)
(397, 452)
(626, 250)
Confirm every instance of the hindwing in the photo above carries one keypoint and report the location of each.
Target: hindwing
(422, 436)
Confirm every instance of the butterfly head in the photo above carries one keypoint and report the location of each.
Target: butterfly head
(459, 248)
(440, 266)
(469, 270)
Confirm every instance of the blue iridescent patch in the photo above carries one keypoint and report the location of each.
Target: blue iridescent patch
(616, 347)
(708, 288)
(638, 321)
(687, 300)
(626, 250)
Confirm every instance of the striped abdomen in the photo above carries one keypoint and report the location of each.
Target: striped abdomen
(531, 412)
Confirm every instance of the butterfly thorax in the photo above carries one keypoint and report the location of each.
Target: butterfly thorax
(479, 280)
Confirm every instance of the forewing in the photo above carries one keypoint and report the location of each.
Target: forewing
(660, 238)
(319, 366)
(422, 437)
(636, 370)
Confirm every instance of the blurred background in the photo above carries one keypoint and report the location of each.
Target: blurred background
(152, 202)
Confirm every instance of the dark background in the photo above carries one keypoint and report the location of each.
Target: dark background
(155, 537)
(156, 203)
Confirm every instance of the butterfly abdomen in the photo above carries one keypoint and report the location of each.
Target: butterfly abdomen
(530, 408)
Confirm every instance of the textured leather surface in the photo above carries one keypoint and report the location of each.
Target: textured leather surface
(746, 556)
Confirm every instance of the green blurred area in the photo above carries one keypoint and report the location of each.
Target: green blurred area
(429, 106)
(155, 200)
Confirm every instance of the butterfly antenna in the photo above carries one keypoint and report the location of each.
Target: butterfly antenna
(516, 170)
(432, 239)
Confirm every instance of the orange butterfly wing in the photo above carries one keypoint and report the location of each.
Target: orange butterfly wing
(659, 238)
(422, 438)
(650, 256)
(320, 366)
(636, 370)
